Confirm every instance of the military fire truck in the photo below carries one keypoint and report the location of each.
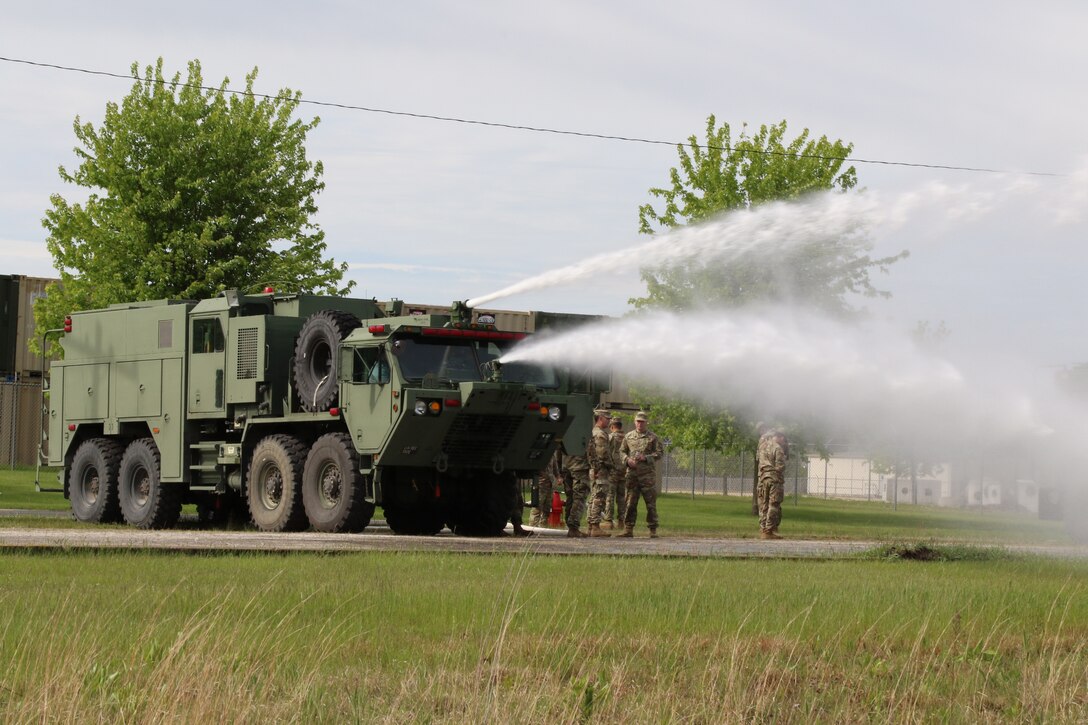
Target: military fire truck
(306, 410)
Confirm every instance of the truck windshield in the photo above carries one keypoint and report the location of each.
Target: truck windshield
(458, 361)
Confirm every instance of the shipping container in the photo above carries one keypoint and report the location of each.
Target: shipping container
(18, 293)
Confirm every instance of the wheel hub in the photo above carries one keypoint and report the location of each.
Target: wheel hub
(142, 488)
(331, 486)
(89, 486)
(273, 489)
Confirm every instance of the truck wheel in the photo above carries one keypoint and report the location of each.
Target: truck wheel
(145, 501)
(425, 519)
(273, 484)
(92, 481)
(316, 359)
(483, 510)
(332, 487)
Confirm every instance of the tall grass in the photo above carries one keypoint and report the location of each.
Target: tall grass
(135, 637)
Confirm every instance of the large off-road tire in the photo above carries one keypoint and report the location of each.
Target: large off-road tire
(274, 484)
(483, 509)
(316, 359)
(146, 502)
(422, 519)
(332, 487)
(92, 481)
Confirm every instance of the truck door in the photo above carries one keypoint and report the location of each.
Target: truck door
(207, 363)
(369, 395)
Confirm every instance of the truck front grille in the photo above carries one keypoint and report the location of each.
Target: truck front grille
(474, 440)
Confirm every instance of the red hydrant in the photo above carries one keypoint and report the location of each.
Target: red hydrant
(556, 516)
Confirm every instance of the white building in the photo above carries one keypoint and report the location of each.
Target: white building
(852, 476)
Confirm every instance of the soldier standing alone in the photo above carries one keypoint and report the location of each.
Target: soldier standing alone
(771, 490)
(599, 454)
(640, 449)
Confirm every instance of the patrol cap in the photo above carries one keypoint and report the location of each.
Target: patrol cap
(602, 411)
(642, 415)
(616, 420)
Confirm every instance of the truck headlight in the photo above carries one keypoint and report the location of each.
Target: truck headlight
(423, 407)
(551, 412)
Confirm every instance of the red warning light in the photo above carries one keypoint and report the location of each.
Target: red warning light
(269, 290)
(67, 323)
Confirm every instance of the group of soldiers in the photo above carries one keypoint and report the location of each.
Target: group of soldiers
(615, 471)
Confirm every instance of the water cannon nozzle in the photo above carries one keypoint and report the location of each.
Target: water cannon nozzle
(460, 313)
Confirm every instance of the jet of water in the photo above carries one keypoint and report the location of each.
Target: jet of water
(866, 379)
(770, 228)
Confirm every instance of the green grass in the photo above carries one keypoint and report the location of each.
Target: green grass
(135, 637)
(17, 490)
(719, 516)
(819, 518)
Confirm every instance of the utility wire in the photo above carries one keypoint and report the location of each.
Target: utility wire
(535, 129)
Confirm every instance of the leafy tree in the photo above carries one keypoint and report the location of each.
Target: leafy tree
(719, 175)
(192, 191)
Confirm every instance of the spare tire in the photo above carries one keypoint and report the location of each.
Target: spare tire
(316, 360)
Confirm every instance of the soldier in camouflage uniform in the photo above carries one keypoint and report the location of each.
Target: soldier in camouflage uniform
(517, 508)
(617, 487)
(547, 482)
(640, 449)
(599, 454)
(772, 454)
(576, 474)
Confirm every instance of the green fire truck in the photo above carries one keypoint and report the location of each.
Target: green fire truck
(305, 410)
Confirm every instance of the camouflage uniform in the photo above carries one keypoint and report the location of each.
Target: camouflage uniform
(640, 477)
(772, 482)
(577, 469)
(517, 507)
(599, 455)
(547, 482)
(617, 489)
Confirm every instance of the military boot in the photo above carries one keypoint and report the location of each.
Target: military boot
(606, 524)
(574, 533)
(769, 535)
(595, 530)
(628, 532)
(653, 533)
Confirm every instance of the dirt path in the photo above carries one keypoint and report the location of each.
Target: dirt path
(379, 539)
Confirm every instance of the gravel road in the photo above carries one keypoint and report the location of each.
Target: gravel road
(378, 538)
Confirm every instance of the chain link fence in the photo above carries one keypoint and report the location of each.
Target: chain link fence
(709, 472)
(985, 480)
(20, 422)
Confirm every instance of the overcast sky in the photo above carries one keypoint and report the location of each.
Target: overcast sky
(431, 211)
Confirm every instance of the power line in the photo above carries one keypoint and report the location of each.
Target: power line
(534, 129)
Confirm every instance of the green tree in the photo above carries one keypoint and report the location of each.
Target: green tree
(192, 191)
(717, 175)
